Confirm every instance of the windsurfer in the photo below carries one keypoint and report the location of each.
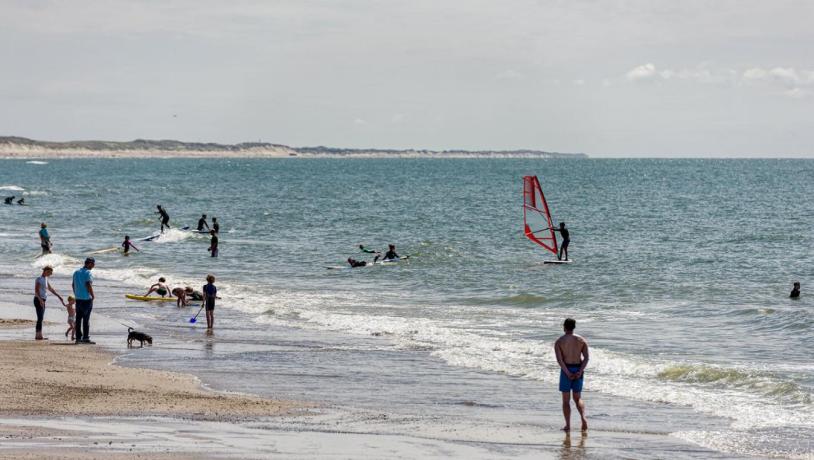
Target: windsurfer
(565, 240)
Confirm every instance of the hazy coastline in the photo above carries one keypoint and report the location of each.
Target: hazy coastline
(24, 148)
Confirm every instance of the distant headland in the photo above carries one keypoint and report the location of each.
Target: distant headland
(21, 147)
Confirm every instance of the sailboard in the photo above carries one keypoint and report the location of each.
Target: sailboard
(537, 222)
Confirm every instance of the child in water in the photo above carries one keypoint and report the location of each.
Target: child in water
(126, 244)
(210, 293)
(70, 306)
(159, 288)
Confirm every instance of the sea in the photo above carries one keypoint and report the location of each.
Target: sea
(680, 282)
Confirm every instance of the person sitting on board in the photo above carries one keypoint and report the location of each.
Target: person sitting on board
(565, 240)
(181, 293)
(21, 201)
(126, 244)
(390, 255)
(159, 288)
(202, 223)
(165, 218)
(356, 263)
(9, 199)
(795, 292)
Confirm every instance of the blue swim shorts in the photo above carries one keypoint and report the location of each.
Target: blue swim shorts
(567, 385)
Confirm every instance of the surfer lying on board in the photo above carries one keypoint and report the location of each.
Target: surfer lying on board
(565, 240)
(159, 288)
(366, 250)
(21, 201)
(9, 199)
(126, 244)
(165, 218)
(193, 294)
(356, 263)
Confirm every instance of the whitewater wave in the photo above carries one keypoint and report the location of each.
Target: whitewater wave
(172, 235)
(35, 162)
(13, 188)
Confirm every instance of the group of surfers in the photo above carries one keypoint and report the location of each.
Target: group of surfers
(203, 227)
(389, 256)
(184, 295)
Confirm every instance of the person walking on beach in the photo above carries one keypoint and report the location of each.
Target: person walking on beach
(202, 223)
(126, 244)
(795, 290)
(41, 288)
(210, 293)
(572, 356)
(165, 218)
(45, 239)
(213, 243)
(83, 292)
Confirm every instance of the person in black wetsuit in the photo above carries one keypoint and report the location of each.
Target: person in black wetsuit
(215, 225)
(9, 199)
(213, 243)
(795, 292)
(165, 218)
(565, 240)
(390, 254)
(366, 250)
(21, 201)
(356, 263)
(202, 223)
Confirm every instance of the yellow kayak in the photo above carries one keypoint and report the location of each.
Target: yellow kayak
(150, 298)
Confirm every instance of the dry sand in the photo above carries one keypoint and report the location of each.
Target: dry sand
(55, 379)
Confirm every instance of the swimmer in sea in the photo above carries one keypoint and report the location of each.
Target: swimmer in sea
(215, 225)
(213, 243)
(566, 238)
(21, 201)
(202, 223)
(366, 250)
(165, 218)
(9, 199)
(356, 263)
(159, 288)
(572, 356)
(126, 244)
(193, 294)
(390, 254)
(795, 291)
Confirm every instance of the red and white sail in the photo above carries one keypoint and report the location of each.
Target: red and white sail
(536, 216)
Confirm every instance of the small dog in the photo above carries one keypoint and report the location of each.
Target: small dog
(133, 335)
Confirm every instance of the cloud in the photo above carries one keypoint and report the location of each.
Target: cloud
(510, 75)
(642, 72)
(755, 73)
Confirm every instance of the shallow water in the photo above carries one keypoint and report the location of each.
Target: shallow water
(680, 281)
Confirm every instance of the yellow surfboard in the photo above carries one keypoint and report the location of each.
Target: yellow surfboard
(150, 298)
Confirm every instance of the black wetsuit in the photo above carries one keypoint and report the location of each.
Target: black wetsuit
(202, 223)
(127, 245)
(357, 263)
(9, 200)
(213, 245)
(794, 293)
(566, 238)
(216, 227)
(390, 255)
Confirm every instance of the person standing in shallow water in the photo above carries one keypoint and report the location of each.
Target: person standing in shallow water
(572, 356)
(83, 292)
(795, 291)
(45, 239)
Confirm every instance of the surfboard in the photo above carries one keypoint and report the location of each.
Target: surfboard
(557, 262)
(150, 298)
(537, 223)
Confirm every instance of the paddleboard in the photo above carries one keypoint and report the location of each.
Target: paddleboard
(150, 298)
(104, 251)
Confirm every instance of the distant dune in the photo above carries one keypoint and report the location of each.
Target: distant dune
(20, 147)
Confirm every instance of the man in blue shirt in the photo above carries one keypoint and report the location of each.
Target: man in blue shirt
(83, 291)
(45, 239)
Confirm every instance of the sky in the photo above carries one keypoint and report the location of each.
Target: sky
(712, 78)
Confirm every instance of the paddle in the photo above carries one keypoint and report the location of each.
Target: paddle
(194, 319)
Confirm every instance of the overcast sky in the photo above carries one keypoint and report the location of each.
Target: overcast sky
(621, 78)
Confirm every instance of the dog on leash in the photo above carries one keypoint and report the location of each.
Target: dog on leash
(133, 335)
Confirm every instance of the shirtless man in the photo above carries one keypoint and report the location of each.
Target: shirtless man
(572, 356)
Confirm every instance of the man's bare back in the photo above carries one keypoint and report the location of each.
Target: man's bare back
(571, 347)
